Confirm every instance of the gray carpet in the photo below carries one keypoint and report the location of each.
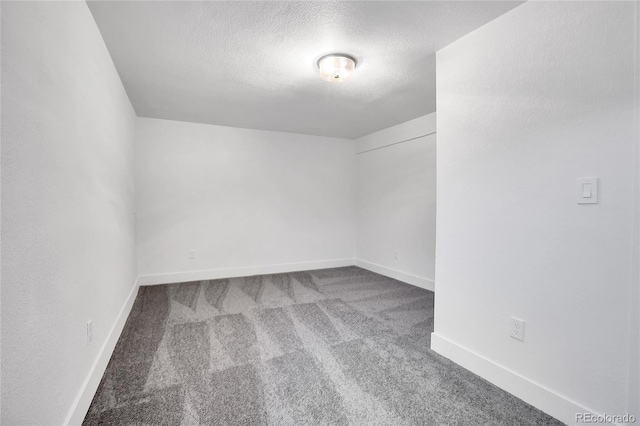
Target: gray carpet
(327, 347)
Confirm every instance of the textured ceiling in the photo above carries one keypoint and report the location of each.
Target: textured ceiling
(253, 64)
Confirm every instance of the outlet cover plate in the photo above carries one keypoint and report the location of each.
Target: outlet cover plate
(89, 332)
(517, 328)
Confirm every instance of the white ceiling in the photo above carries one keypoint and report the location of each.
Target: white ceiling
(253, 64)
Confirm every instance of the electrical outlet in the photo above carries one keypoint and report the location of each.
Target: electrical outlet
(517, 328)
(192, 254)
(396, 255)
(89, 332)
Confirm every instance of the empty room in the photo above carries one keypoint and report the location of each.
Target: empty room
(320, 213)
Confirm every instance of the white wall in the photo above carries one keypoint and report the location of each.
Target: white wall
(248, 201)
(396, 201)
(527, 104)
(68, 247)
(634, 300)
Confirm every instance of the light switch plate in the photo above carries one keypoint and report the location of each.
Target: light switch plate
(587, 190)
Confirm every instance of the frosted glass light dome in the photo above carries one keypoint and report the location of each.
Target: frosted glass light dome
(336, 67)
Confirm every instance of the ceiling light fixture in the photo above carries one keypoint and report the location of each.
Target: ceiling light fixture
(336, 67)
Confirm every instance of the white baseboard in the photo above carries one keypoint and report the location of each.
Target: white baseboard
(541, 397)
(82, 402)
(212, 274)
(426, 283)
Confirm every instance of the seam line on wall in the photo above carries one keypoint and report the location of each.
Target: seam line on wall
(395, 143)
(634, 382)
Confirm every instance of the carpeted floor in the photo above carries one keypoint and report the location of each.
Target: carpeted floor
(326, 347)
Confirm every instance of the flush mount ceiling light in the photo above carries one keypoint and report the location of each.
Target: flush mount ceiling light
(336, 67)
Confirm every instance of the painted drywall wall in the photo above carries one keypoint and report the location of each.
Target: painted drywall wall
(68, 243)
(396, 201)
(244, 200)
(527, 104)
(634, 299)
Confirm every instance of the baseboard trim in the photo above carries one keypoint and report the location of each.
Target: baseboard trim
(80, 406)
(212, 274)
(426, 283)
(541, 397)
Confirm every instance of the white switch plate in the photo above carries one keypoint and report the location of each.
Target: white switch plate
(192, 254)
(587, 190)
(517, 328)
